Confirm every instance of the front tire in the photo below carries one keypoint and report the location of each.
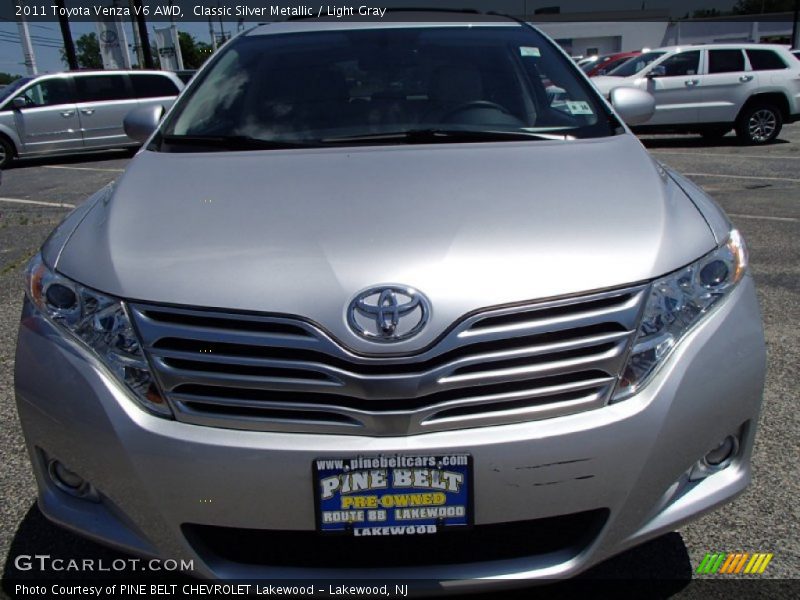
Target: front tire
(6, 152)
(759, 124)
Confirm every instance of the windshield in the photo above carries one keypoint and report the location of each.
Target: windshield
(332, 86)
(12, 87)
(636, 64)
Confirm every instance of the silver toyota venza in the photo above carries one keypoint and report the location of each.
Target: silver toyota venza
(399, 299)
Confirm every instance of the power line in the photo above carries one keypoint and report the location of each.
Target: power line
(29, 24)
(33, 39)
(34, 36)
(16, 38)
(39, 38)
(37, 44)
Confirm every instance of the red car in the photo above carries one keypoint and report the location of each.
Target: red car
(607, 62)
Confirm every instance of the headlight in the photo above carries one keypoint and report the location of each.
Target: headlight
(676, 303)
(99, 322)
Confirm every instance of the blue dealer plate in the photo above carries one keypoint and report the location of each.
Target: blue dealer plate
(393, 495)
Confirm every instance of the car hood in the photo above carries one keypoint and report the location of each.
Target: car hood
(301, 232)
(606, 83)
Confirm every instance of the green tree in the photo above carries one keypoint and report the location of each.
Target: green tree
(6, 78)
(87, 51)
(194, 53)
(705, 13)
(750, 7)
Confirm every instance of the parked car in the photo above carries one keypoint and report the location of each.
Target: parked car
(796, 54)
(186, 75)
(344, 319)
(608, 62)
(77, 111)
(711, 89)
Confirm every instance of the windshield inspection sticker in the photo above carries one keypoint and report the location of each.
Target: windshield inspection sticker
(529, 51)
(392, 495)
(579, 107)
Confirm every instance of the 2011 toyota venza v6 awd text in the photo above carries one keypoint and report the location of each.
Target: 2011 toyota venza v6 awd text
(400, 299)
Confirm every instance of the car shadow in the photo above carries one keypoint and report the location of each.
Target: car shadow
(657, 569)
(696, 141)
(37, 536)
(84, 157)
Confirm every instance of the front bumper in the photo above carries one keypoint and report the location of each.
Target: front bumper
(155, 475)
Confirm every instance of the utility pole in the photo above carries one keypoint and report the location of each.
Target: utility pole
(137, 43)
(211, 33)
(27, 46)
(147, 52)
(221, 30)
(69, 47)
(796, 26)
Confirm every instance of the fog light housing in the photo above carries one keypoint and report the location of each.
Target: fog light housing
(70, 482)
(716, 459)
(722, 455)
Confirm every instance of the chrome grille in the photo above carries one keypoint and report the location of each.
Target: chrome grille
(497, 366)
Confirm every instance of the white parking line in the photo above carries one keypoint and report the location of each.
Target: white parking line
(756, 177)
(722, 155)
(83, 168)
(765, 218)
(38, 203)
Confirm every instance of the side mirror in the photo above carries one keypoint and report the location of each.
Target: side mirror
(18, 102)
(140, 123)
(635, 106)
(657, 71)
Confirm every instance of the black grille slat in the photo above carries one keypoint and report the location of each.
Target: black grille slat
(526, 361)
(526, 316)
(565, 534)
(212, 321)
(386, 405)
(382, 366)
(509, 405)
(246, 370)
(277, 414)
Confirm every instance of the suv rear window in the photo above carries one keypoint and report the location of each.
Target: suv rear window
(153, 86)
(765, 60)
(97, 88)
(725, 61)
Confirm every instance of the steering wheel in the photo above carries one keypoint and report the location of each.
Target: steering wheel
(476, 104)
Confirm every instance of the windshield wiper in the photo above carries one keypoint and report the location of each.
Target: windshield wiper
(231, 142)
(434, 135)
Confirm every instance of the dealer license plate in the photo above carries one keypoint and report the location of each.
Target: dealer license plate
(393, 495)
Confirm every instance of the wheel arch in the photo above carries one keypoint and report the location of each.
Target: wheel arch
(777, 99)
(12, 139)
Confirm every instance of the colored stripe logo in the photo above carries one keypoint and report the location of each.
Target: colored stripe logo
(723, 563)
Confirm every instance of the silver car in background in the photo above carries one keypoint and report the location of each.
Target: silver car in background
(78, 111)
(352, 312)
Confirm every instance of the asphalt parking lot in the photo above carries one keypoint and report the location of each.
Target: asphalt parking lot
(758, 187)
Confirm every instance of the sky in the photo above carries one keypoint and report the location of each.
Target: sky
(47, 36)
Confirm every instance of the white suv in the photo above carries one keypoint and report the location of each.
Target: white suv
(710, 89)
